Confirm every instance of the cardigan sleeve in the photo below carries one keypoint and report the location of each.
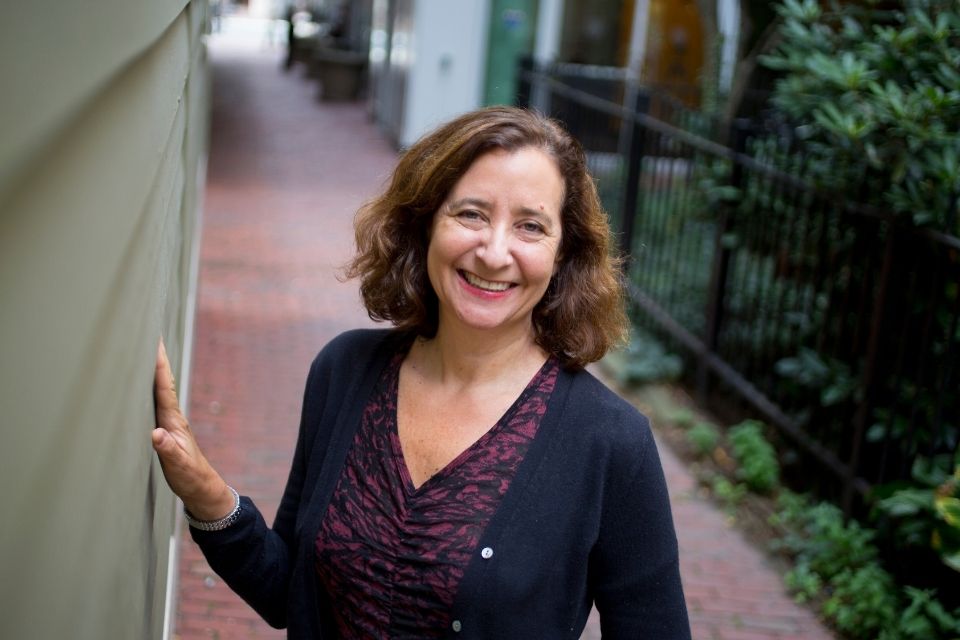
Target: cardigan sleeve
(635, 562)
(256, 561)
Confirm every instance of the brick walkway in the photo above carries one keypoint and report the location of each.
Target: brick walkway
(286, 174)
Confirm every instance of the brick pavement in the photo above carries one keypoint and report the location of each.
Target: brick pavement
(286, 174)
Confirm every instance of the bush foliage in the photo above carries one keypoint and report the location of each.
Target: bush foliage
(837, 565)
(877, 95)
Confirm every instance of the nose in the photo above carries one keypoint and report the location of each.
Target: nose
(494, 250)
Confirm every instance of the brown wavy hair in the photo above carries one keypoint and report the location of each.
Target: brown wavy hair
(581, 315)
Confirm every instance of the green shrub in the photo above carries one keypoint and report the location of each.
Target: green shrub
(756, 458)
(682, 417)
(649, 361)
(927, 514)
(876, 95)
(818, 535)
(838, 560)
(924, 618)
(804, 583)
(835, 544)
(703, 437)
(862, 601)
(730, 494)
(828, 377)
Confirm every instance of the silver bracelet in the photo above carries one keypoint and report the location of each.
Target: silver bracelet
(216, 525)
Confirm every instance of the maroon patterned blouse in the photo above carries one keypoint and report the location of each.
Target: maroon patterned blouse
(391, 556)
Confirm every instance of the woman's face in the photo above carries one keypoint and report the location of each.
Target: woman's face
(495, 241)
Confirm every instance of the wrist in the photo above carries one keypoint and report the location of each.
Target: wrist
(215, 503)
(218, 524)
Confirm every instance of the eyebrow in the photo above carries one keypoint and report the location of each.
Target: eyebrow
(483, 204)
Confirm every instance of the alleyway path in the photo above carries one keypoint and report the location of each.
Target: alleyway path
(286, 174)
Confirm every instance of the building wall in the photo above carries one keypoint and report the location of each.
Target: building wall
(447, 69)
(103, 126)
(429, 65)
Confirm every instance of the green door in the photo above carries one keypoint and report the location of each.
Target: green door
(512, 27)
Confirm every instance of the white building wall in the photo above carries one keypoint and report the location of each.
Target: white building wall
(437, 63)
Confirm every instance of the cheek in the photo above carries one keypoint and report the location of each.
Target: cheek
(442, 253)
(543, 265)
(451, 243)
(431, 263)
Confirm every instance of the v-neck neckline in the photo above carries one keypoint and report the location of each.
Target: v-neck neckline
(412, 491)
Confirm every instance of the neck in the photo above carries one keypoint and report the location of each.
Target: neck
(475, 357)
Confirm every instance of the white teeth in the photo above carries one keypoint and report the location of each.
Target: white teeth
(480, 283)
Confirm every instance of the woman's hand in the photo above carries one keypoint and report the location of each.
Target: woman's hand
(189, 474)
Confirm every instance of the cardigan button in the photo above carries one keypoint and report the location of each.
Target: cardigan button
(456, 626)
(486, 553)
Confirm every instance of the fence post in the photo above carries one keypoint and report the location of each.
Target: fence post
(631, 185)
(875, 339)
(723, 251)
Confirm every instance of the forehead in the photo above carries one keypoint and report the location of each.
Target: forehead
(527, 176)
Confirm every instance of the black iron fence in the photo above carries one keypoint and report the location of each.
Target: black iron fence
(836, 323)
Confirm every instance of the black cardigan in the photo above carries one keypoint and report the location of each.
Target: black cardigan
(586, 519)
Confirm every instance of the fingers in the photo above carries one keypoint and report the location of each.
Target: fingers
(181, 470)
(164, 386)
(160, 439)
(184, 466)
(168, 449)
(191, 477)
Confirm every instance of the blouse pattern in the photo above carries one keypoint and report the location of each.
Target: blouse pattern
(390, 555)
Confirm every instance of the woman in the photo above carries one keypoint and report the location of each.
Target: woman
(460, 475)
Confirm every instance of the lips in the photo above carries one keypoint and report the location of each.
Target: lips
(486, 285)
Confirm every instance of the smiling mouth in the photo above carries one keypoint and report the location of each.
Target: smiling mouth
(486, 285)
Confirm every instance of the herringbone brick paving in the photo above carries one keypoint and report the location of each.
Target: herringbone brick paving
(286, 174)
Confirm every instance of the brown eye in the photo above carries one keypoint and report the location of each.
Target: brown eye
(532, 227)
(471, 216)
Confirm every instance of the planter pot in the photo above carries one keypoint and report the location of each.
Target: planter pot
(341, 73)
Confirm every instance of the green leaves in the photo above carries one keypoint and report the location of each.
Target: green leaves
(800, 10)
(810, 370)
(927, 514)
(924, 617)
(946, 501)
(703, 437)
(906, 503)
(878, 94)
(648, 361)
(757, 459)
(836, 561)
(862, 599)
(846, 126)
(848, 73)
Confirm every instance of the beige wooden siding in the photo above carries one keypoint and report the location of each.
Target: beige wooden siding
(103, 129)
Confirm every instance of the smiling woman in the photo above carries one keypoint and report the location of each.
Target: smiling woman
(460, 475)
(393, 231)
